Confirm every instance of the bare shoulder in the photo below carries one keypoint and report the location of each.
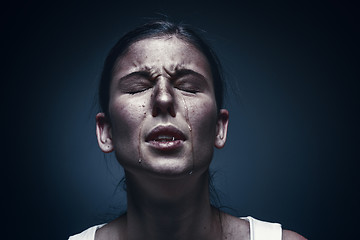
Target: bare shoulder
(235, 228)
(110, 231)
(290, 235)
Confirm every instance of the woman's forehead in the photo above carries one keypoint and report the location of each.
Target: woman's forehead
(160, 54)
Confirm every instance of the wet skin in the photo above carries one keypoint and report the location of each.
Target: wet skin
(163, 125)
(163, 115)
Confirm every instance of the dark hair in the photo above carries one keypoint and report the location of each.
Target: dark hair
(158, 29)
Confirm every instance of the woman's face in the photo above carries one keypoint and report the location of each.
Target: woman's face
(163, 116)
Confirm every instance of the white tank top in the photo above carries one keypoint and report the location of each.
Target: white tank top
(259, 230)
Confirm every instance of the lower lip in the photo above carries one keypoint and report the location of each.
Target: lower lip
(166, 146)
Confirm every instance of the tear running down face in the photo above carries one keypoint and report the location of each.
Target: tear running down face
(162, 109)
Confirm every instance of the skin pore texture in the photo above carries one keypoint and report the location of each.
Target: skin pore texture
(163, 125)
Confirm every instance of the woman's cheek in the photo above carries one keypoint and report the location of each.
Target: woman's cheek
(203, 119)
(125, 120)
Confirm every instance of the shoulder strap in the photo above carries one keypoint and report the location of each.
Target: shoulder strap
(260, 230)
(88, 234)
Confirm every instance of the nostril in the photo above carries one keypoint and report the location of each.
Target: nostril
(155, 112)
(164, 106)
(171, 111)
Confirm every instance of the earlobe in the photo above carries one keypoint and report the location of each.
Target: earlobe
(103, 133)
(221, 128)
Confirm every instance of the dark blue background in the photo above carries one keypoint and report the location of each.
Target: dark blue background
(293, 143)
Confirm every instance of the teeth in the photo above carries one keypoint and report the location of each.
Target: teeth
(163, 138)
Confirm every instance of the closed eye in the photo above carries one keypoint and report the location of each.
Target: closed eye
(135, 82)
(137, 86)
(188, 84)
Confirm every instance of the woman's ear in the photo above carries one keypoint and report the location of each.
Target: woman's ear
(103, 133)
(221, 128)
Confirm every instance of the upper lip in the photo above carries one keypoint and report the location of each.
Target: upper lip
(170, 131)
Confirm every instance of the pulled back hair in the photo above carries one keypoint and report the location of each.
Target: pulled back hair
(158, 29)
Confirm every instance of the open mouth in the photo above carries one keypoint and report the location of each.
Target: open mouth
(165, 138)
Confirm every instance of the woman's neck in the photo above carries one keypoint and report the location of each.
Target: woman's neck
(170, 209)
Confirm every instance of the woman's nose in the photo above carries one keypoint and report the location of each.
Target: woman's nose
(163, 102)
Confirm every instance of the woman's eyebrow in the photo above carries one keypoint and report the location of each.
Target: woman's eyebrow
(143, 74)
(178, 73)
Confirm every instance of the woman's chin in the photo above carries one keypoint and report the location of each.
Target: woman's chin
(168, 168)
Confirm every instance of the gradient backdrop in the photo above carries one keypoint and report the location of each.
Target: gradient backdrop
(293, 145)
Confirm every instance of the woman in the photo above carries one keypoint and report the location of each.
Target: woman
(161, 96)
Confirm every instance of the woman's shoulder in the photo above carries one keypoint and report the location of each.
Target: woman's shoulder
(113, 228)
(251, 228)
(290, 235)
(235, 228)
